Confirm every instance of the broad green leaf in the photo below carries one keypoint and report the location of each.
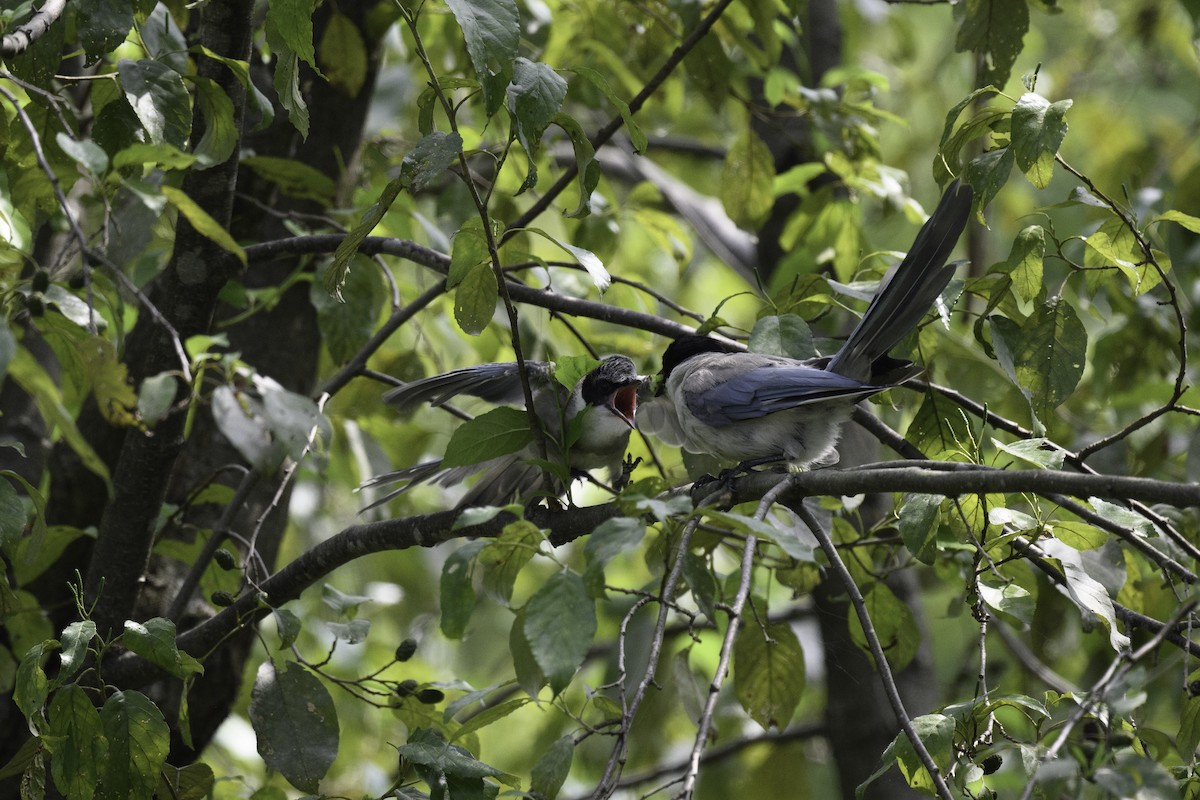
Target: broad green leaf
(503, 559)
(342, 54)
(287, 86)
(608, 540)
(569, 370)
(33, 378)
(342, 604)
(450, 760)
(220, 132)
(84, 152)
(936, 732)
(586, 258)
(294, 178)
(166, 156)
(102, 25)
(138, 740)
(768, 672)
(155, 398)
(918, 525)
(12, 518)
(489, 715)
(1178, 217)
(700, 580)
(529, 675)
(1189, 718)
(534, 99)
(161, 37)
(492, 30)
(785, 335)
(1078, 534)
(154, 640)
(988, 173)
(25, 622)
(204, 224)
(637, 136)
(1038, 128)
(159, 99)
(1040, 452)
(349, 245)
(1007, 597)
(242, 422)
(24, 756)
(551, 770)
(296, 723)
(468, 250)
(496, 433)
(475, 299)
(294, 420)
(560, 622)
(241, 71)
(748, 181)
(32, 686)
(457, 593)
(993, 29)
(1024, 263)
(353, 632)
(1114, 245)
(193, 782)
(585, 162)
(288, 626)
(76, 742)
(1085, 591)
(432, 156)
(347, 324)
(93, 358)
(893, 623)
(76, 638)
(1045, 356)
(292, 21)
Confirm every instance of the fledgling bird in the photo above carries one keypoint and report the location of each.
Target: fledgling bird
(755, 409)
(609, 395)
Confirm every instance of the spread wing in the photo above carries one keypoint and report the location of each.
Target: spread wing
(767, 389)
(496, 383)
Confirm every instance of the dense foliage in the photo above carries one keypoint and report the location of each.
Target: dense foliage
(229, 227)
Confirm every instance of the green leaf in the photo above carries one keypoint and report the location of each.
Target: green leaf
(585, 162)
(893, 623)
(154, 640)
(76, 742)
(1007, 597)
(76, 638)
(1178, 217)
(294, 178)
(291, 20)
(342, 54)
(159, 99)
(457, 592)
(495, 433)
(84, 152)
(1189, 719)
(102, 25)
(432, 156)
(936, 732)
(994, 30)
(32, 686)
(342, 604)
(534, 99)
(768, 672)
(347, 324)
(354, 239)
(1045, 356)
(918, 525)
(204, 224)
(1114, 245)
(988, 173)
(503, 559)
(220, 132)
(493, 32)
(784, 335)
(560, 622)
(700, 580)
(296, 723)
(608, 540)
(637, 136)
(529, 675)
(1085, 591)
(193, 782)
(241, 71)
(1040, 452)
(1038, 128)
(489, 715)
(287, 85)
(12, 518)
(586, 258)
(551, 770)
(475, 299)
(155, 398)
(138, 741)
(468, 250)
(450, 760)
(748, 181)
(1024, 262)
(287, 625)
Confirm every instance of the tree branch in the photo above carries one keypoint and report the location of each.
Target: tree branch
(33, 29)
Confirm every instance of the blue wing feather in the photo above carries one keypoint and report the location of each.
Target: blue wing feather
(765, 390)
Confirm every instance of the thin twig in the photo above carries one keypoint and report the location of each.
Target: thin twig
(881, 664)
(32, 29)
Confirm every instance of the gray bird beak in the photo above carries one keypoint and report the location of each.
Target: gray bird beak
(623, 403)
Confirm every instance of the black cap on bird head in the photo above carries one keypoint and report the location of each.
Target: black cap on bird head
(613, 384)
(689, 345)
